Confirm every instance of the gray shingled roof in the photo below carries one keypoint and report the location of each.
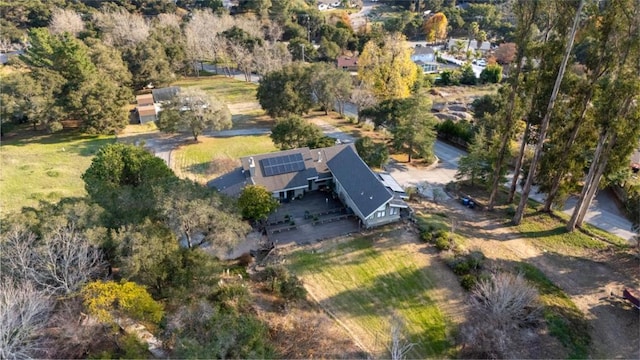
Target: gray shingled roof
(362, 185)
(165, 94)
(230, 183)
(282, 181)
(423, 50)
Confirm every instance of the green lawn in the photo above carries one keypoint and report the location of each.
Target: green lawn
(365, 284)
(45, 168)
(226, 89)
(551, 234)
(194, 160)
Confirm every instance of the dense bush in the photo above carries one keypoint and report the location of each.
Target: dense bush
(456, 131)
(442, 240)
(468, 281)
(449, 77)
(285, 283)
(467, 76)
(492, 74)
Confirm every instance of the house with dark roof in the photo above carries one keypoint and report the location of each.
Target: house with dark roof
(375, 199)
(164, 94)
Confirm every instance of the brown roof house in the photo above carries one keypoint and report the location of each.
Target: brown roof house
(150, 105)
(348, 63)
(145, 108)
(376, 199)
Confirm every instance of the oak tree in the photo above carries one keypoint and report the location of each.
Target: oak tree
(193, 110)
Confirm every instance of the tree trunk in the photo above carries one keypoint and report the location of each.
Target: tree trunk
(504, 140)
(561, 171)
(547, 117)
(583, 200)
(519, 159)
(509, 121)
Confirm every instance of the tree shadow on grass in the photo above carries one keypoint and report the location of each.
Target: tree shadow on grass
(404, 293)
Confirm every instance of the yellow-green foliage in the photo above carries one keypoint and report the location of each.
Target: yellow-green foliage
(104, 298)
(388, 70)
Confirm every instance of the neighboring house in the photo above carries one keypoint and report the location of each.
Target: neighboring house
(426, 54)
(348, 63)
(485, 46)
(164, 94)
(144, 99)
(428, 68)
(147, 113)
(149, 105)
(425, 57)
(374, 198)
(145, 108)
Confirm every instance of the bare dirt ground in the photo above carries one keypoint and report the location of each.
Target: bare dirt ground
(588, 278)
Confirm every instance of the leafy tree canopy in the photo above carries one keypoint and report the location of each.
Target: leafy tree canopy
(108, 299)
(294, 132)
(286, 91)
(195, 111)
(388, 68)
(123, 179)
(256, 202)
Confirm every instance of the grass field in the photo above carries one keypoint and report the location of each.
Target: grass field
(364, 283)
(193, 161)
(45, 168)
(226, 89)
(240, 97)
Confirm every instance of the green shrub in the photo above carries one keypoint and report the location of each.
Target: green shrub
(292, 289)
(442, 240)
(449, 77)
(491, 74)
(425, 235)
(475, 259)
(511, 210)
(468, 76)
(442, 243)
(468, 281)
(462, 267)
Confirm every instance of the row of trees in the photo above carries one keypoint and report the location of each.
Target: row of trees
(563, 114)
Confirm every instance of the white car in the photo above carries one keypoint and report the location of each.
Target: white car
(323, 7)
(481, 62)
(336, 4)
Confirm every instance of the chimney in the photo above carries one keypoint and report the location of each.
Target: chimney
(252, 166)
(319, 156)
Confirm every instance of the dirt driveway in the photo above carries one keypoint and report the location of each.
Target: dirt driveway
(588, 278)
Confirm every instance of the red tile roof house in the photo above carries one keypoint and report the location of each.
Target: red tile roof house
(376, 199)
(349, 63)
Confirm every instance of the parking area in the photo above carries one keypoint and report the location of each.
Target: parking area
(315, 217)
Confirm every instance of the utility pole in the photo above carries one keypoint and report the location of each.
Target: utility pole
(302, 47)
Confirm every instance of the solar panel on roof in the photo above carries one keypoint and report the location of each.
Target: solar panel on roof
(282, 164)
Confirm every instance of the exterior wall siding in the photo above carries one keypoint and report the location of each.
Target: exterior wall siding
(374, 220)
